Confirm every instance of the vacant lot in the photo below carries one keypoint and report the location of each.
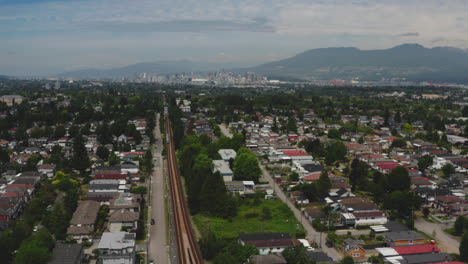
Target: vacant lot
(252, 217)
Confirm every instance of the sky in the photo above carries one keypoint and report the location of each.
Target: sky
(40, 37)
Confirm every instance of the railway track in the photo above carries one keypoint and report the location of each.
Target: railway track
(187, 247)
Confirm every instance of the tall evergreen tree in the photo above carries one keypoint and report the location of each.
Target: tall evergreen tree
(323, 184)
(80, 159)
(464, 248)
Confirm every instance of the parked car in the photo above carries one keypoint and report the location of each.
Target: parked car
(153, 222)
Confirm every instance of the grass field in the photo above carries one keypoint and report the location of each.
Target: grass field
(249, 220)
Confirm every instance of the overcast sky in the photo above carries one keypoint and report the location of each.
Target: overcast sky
(41, 36)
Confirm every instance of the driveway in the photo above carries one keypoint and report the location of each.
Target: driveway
(446, 242)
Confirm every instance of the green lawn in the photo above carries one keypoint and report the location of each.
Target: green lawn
(282, 220)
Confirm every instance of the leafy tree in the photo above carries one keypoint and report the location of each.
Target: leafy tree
(214, 199)
(36, 249)
(63, 182)
(335, 151)
(238, 253)
(334, 134)
(57, 220)
(398, 143)
(113, 159)
(80, 159)
(407, 128)
(464, 248)
(347, 260)
(210, 246)
(297, 255)
(37, 132)
(4, 156)
(246, 167)
(323, 184)
(294, 176)
(448, 169)
(291, 126)
(275, 128)
(402, 202)
(397, 117)
(426, 212)
(424, 162)
(386, 116)
(102, 152)
(59, 132)
(140, 190)
(465, 111)
(225, 258)
(314, 147)
(460, 224)
(398, 179)
(358, 176)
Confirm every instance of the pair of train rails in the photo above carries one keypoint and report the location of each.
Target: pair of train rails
(187, 247)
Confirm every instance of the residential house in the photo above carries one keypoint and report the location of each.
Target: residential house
(318, 257)
(227, 154)
(129, 167)
(10, 208)
(357, 204)
(117, 247)
(353, 248)
(222, 167)
(268, 259)
(109, 175)
(11, 100)
(67, 253)
(404, 238)
(83, 220)
(123, 219)
(268, 243)
(47, 170)
(450, 204)
(128, 201)
(108, 186)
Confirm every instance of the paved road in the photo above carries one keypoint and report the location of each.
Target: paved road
(311, 233)
(446, 242)
(225, 130)
(158, 249)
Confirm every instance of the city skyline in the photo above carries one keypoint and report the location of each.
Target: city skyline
(46, 37)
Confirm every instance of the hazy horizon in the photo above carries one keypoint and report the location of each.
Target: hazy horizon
(45, 37)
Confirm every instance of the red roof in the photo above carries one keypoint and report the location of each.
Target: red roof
(315, 176)
(135, 152)
(295, 153)
(449, 262)
(387, 163)
(312, 177)
(449, 199)
(12, 194)
(368, 214)
(416, 249)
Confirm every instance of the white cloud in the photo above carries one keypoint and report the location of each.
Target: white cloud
(253, 30)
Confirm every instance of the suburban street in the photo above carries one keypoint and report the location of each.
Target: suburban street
(311, 233)
(446, 242)
(158, 249)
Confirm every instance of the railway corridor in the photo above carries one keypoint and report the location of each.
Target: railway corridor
(187, 247)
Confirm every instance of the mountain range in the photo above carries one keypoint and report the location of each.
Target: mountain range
(411, 62)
